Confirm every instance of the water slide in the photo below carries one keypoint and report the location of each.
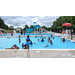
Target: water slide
(48, 31)
(30, 30)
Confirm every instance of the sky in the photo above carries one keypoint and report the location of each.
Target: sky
(21, 21)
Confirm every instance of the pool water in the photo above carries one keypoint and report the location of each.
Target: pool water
(57, 43)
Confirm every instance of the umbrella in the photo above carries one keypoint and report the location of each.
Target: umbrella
(67, 24)
(41, 28)
(1, 29)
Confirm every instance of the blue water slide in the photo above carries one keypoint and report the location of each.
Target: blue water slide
(30, 30)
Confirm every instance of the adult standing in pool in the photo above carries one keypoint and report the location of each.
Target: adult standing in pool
(21, 32)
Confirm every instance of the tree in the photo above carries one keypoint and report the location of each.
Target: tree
(63, 19)
(26, 27)
(11, 27)
(44, 27)
(31, 26)
(3, 25)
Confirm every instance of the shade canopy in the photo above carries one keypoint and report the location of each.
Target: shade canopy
(41, 28)
(67, 24)
(1, 29)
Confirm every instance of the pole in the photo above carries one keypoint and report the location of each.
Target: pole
(71, 33)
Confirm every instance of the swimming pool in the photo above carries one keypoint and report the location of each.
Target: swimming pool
(57, 43)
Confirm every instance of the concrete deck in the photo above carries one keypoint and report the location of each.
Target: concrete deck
(38, 54)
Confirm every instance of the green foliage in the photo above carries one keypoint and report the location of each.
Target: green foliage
(26, 27)
(60, 27)
(44, 27)
(11, 27)
(64, 19)
(3, 25)
(31, 26)
(8, 31)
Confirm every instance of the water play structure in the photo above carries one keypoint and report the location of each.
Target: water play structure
(36, 27)
(14, 31)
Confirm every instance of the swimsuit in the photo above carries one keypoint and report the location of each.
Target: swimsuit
(28, 39)
(27, 43)
(14, 47)
(22, 45)
(42, 40)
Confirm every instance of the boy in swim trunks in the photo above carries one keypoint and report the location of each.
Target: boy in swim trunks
(22, 45)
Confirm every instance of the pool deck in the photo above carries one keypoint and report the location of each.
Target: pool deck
(39, 53)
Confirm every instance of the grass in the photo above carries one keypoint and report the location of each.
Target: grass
(8, 31)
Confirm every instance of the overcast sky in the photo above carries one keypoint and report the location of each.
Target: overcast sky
(21, 21)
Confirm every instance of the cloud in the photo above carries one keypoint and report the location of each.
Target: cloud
(21, 21)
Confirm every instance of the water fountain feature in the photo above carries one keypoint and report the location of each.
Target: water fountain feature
(14, 32)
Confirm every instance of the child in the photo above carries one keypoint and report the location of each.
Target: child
(51, 43)
(31, 42)
(53, 37)
(63, 39)
(35, 36)
(19, 39)
(38, 40)
(27, 39)
(22, 45)
(48, 39)
(25, 46)
(42, 40)
(12, 34)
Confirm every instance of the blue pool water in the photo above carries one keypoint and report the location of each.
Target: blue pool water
(57, 43)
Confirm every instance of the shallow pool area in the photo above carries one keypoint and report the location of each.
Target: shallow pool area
(57, 43)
